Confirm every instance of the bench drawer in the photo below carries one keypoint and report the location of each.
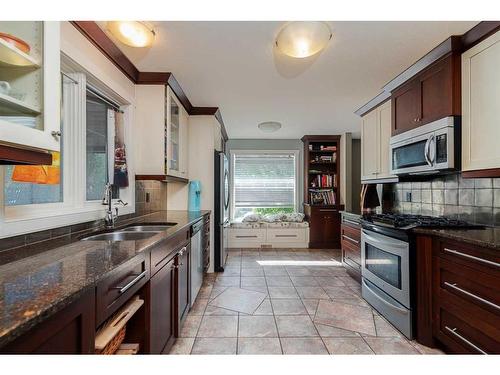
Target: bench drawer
(286, 235)
(249, 235)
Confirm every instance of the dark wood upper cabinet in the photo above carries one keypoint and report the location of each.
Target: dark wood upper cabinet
(432, 94)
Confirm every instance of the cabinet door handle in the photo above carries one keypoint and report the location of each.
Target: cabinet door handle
(454, 332)
(123, 289)
(241, 236)
(327, 210)
(286, 235)
(350, 239)
(472, 295)
(472, 257)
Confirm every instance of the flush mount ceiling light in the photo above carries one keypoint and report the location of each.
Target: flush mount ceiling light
(303, 39)
(132, 33)
(269, 126)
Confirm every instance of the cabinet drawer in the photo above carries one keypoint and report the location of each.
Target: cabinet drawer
(454, 329)
(351, 252)
(117, 288)
(351, 223)
(351, 235)
(251, 235)
(286, 235)
(164, 251)
(479, 258)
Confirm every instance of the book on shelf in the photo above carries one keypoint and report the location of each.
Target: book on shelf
(324, 181)
(322, 196)
(322, 148)
(324, 158)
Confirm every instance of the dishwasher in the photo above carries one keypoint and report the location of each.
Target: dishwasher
(196, 259)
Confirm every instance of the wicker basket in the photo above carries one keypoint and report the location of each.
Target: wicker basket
(114, 344)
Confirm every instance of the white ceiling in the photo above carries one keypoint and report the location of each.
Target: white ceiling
(234, 66)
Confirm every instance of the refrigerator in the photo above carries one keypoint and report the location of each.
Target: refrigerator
(221, 210)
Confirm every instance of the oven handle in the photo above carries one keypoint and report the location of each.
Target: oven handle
(400, 309)
(386, 241)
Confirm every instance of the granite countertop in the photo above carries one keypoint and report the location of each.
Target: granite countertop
(352, 215)
(35, 287)
(487, 237)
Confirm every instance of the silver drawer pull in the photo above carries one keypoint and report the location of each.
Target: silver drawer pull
(351, 222)
(477, 298)
(123, 289)
(286, 235)
(181, 252)
(350, 239)
(327, 210)
(454, 332)
(246, 236)
(488, 262)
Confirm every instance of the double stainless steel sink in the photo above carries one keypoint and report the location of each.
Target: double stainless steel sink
(132, 233)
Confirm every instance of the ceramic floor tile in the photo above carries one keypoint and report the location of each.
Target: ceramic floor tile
(329, 331)
(390, 345)
(422, 349)
(261, 289)
(339, 292)
(216, 290)
(303, 346)
(385, 329)
(304, 281)
(253, 281)
(327, 281)
(311, 292)
(218, 311)
(282, 292)
(278, 281)
(296, 326)
(349, 281)
(268, 346)
(218, 326)
(231, 271)
(353, 301)
(311, 305)
(199, 306)
(345, 316)
(265, 308)
(250, 264)
(298, 271)
(257, 326)
(205, 291)
(227, 281)
(347, 345)
(321, 271)
(275, 271)
(241, 300)
(252, 272)
(190, 326)
(214, 346)
(182, 346)
(288, 307)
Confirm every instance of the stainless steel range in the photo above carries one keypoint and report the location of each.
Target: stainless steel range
(388, 264)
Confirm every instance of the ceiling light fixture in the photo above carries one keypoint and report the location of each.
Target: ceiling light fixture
(269, 126)
(132, 33)
(303, 38)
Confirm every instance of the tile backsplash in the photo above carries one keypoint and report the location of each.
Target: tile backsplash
(150, 196)
(473, 200)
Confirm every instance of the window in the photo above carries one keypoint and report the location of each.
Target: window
(264, 182)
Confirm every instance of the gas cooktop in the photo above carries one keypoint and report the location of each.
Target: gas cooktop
(405, 221)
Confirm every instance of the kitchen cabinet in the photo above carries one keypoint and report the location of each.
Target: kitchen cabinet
(480, 95)
(324, 227)
(163, 139)
(31, 87)
(351, 247)
(162, 308)
(182, 267)
(70, 331)
(431, 95)
(375, 139)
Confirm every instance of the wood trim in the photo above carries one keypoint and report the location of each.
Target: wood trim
(17, 156)
(98, 38)
(160, 177)
(377, 101)
(478, 33)
(152, 78)
(211, 111)
(482, 173)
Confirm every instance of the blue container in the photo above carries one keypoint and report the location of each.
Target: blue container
(194, 199)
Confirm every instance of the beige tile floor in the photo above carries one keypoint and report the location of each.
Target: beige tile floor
(287, 301)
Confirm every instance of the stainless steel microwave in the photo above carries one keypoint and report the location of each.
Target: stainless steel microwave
(428, 149)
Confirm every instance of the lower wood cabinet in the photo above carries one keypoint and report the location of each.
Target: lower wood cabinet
(162, 308)
(351, 247)
(324, 226)
(182, 268)
(70, 331)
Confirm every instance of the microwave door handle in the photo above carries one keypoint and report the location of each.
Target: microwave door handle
(426, 150)
(432, 149)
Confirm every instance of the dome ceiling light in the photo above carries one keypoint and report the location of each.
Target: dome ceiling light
(132, 33)
(269, 126)
(303, 38)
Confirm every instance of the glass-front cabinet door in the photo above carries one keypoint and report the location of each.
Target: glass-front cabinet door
(30, 84)
(175, 135)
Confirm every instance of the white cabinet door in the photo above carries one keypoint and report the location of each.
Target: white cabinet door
(30, 113)
(173, 135)
(369, 146)
(385, 118)
(480, 104)
(184, 143)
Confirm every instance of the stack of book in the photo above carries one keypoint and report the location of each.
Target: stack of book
(319, 196)
(323, 181)
(324, 158)
(322, 148)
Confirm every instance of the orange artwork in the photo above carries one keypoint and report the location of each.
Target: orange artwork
(39, 174)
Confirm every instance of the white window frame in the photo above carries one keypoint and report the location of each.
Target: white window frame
(17, 220)
(233, 153)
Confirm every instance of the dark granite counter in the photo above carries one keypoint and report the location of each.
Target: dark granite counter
(35, 287)
(487, 237)
(351, 215)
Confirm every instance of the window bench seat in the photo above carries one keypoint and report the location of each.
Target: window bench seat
(275, 235)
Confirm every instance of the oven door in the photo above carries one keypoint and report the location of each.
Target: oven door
(385, 263)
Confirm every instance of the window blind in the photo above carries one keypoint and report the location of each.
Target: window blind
(264, 180)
